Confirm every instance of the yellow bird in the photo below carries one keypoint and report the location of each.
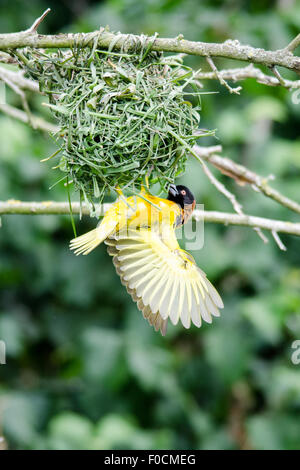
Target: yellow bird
(162, 278)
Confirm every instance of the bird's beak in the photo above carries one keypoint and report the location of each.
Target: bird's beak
(173, 190)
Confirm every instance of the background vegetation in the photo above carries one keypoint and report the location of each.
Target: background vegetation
(83, 369)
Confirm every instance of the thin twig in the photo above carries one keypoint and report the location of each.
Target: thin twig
(39, 123)
(17, 77)
(221, 79)
(221, 188)
(261, 234)
(7, 59)
(21, 94)
(293, 44)
(278, 76)
(278, 241)
(37, 22)
(243, 73)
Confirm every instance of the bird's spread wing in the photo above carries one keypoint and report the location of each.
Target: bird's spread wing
(165, 283)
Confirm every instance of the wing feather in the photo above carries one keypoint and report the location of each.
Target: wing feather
(195, 312)
(148, 292)
(180, 310)
(157, 293)
(129, 254)
(142, 283)
(131, 266)
(185, 310)
(211, 307)
(204, 312)
(165, 299)
(173, 311)
(135, 274)
(215, 297)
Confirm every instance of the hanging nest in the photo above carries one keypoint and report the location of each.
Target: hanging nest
(122, 115)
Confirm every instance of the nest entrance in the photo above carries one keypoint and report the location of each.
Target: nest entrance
(122, 116)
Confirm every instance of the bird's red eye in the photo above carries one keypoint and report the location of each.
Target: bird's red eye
(183, 192)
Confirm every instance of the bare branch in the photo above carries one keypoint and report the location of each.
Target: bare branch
(17, 77)
(36, 24)
(243, 175)
(221, 78)
(62, 208)
(231, 197)
(249, 221)
(293, 44)
(221, 188)
(21, 94)
(39, 123)
(243, 73)
(261, 234)
(278, 241)
(278, 76)
(7, 59)
(229, 49)
(16, 81)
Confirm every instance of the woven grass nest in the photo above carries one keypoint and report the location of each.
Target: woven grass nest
(123, 115)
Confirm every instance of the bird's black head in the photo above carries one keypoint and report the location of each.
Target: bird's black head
(181, 195)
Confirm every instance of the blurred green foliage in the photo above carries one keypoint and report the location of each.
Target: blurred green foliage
(84, 370)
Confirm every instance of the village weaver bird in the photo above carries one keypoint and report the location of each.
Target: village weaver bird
(162, 278)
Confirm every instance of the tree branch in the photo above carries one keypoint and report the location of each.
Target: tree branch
(293, 44)
(7, 59)
(230, 49)
(17, 77)
(243, 73)
(220, 77)
(231, 197)
(37, 122)
(15, 87)
(235, 75)
(62, 208)
(243, 175)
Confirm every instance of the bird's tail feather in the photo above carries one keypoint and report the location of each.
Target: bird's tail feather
(85, 243)
(88, 241)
